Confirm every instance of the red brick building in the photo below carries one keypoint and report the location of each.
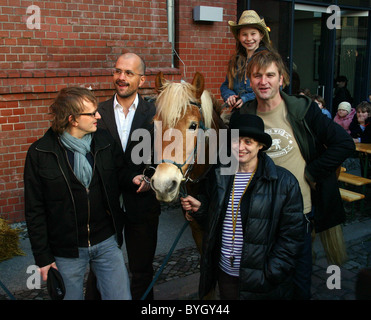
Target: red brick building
(48, 45)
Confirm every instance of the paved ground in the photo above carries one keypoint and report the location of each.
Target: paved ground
(357, 234)
(179, 279)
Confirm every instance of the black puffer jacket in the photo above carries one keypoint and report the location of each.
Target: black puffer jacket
(272, 220)
(50, 208)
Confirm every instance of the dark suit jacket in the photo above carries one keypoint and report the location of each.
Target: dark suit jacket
(137, 205)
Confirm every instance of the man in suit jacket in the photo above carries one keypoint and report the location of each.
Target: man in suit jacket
(121, 115)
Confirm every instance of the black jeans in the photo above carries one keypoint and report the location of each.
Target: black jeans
(228, 286)
(141, 241)
(303, 272)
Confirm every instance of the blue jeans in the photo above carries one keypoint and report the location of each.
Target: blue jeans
(107, 263)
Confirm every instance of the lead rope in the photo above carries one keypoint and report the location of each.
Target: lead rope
(7, 291)
(182, 193)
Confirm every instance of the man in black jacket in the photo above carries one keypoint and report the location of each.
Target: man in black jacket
(72, 199)
(341, 93)
(121, 115)
(305, 142)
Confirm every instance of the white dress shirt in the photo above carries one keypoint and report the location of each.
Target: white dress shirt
(123, 122)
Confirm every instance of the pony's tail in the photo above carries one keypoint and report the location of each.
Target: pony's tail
(334, 245)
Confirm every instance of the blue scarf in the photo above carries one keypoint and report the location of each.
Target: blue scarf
(80, 147)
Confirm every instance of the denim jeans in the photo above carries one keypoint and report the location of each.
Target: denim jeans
(107, 262)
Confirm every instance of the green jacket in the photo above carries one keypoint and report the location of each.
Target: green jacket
(324, 145)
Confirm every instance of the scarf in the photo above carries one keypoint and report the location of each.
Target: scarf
(80, 147)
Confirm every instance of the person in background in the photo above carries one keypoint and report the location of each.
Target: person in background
(253, 221)
(72, 204)
(341, 93)
(309, 145)
(360, 127)
(363, 284)
(305, 92)
(345, 115)
(252, 35)
(368, 99)
(322, 105)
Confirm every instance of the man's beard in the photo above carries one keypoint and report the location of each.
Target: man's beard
(127, 93)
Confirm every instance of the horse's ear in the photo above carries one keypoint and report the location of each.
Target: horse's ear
(159, 82)
(199, 83)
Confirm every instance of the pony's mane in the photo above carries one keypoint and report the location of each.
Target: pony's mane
(174, 99)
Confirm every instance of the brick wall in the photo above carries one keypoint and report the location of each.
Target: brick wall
(205, 46)
(78, 41)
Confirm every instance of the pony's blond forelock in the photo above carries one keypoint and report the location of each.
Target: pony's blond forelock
(173, 101)
(207, 108)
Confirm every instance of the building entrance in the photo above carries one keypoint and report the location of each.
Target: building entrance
(322, 52)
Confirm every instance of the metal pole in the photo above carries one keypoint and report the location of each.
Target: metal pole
(171, 27)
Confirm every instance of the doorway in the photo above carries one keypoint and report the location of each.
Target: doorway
(350, 52)
(321, 54)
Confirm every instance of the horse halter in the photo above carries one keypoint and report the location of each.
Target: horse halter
(186, 175)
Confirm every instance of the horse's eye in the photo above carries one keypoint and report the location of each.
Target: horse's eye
(193, 126)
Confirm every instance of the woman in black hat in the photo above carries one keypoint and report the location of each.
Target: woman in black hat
(252, 221)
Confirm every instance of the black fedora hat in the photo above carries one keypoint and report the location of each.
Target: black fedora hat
(252, 126)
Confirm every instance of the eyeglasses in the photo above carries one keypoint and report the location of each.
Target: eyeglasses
(92, 114)
(127, 73)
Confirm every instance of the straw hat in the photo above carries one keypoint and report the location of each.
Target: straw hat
(250, 18)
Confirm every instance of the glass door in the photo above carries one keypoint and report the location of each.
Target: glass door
(323, 55)
(313, 47)
(350, 55)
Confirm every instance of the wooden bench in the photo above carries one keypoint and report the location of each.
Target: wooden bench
(350, 196)
(353, 179)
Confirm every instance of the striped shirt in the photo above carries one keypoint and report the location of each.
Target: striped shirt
(228, 249)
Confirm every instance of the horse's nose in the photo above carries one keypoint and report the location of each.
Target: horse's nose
(169, 186)
(172, 185)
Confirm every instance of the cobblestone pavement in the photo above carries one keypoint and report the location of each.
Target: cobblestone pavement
(184, 262)
(359, 255)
